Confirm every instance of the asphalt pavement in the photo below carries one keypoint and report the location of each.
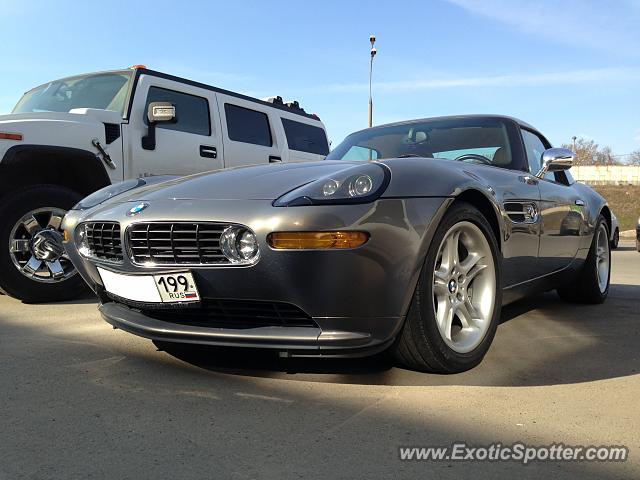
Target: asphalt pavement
(81, 400)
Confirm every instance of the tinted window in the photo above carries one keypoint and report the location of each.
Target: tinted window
(248, 126)
(192, 113)
(473, 140)
(535, 147)
(305, 138)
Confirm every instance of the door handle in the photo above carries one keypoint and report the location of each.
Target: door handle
(208, 152)
(274, 159)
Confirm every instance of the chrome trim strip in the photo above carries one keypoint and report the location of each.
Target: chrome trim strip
(223, 225)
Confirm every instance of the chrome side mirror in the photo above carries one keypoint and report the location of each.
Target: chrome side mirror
(556, 160)
(161, 112)
(158, 112)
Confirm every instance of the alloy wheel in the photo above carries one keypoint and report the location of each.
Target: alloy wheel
(464, 287)
(35, 246)
(603, 260)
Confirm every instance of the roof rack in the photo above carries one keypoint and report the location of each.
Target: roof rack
(294, 105)
(291, 104)
(275, 99)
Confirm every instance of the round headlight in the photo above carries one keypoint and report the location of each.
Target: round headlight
(81, 241)
(239, 244)
(330, 188)
(360, 186)
(247, 245)
(361, 183)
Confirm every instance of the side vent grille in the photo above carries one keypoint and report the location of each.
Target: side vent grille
(111, 132)
(521, 212)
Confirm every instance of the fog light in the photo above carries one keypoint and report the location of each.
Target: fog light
(247, 245)
(239, 244)
(317, 240)
(81, 241)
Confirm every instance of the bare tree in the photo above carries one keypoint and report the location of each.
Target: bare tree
(634, 158)
(589, 152)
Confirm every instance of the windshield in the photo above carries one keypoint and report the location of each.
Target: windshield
(475, 140)
(106, 91)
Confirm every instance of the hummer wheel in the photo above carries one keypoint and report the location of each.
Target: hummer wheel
(33, 264)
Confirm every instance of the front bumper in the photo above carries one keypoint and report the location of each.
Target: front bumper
(358, 298)
(295, 341)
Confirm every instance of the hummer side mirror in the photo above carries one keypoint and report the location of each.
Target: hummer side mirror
(157, 112)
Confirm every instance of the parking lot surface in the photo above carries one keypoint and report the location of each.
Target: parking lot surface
(81, 400)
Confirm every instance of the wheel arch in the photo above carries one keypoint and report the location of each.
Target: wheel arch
(77, 169)
(474, 197)
(605, 211)
(486, 206)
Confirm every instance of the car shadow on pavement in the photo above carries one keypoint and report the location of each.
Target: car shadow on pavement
(87, 297)
(541, 341)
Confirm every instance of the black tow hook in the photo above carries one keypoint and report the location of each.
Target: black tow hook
(105, 156)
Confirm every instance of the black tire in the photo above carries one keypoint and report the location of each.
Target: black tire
(586, 289)
(616, 239)
(13, 207)
(419, 345)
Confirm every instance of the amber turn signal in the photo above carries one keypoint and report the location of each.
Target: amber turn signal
(316, 240)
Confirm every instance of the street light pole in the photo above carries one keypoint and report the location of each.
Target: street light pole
(574, 138)
(372, 39)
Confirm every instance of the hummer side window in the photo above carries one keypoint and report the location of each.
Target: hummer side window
(247, 126)
(305, 138)
(192, 112)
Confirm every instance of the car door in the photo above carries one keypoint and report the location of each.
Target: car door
(190, 144)
(562, 215)
(518, 195)
(249, 135)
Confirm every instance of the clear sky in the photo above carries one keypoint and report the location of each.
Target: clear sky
(569, 67)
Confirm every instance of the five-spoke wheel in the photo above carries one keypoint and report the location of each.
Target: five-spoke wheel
(456, 305)
(464, 287)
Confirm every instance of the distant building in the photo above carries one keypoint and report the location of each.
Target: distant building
(607, 174)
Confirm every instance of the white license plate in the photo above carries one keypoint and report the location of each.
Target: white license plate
(167, 288)
(177, 287)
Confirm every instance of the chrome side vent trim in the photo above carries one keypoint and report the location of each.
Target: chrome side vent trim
(522, 212)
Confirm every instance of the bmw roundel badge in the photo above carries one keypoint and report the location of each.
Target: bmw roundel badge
(137, 209)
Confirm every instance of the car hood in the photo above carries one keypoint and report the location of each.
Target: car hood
(263, 182)
(78, 115)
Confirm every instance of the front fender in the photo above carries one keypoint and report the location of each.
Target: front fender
(595, 204)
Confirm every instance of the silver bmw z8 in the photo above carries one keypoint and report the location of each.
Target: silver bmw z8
(409, 237)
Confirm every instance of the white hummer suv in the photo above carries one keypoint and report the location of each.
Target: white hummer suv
(68, 138)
